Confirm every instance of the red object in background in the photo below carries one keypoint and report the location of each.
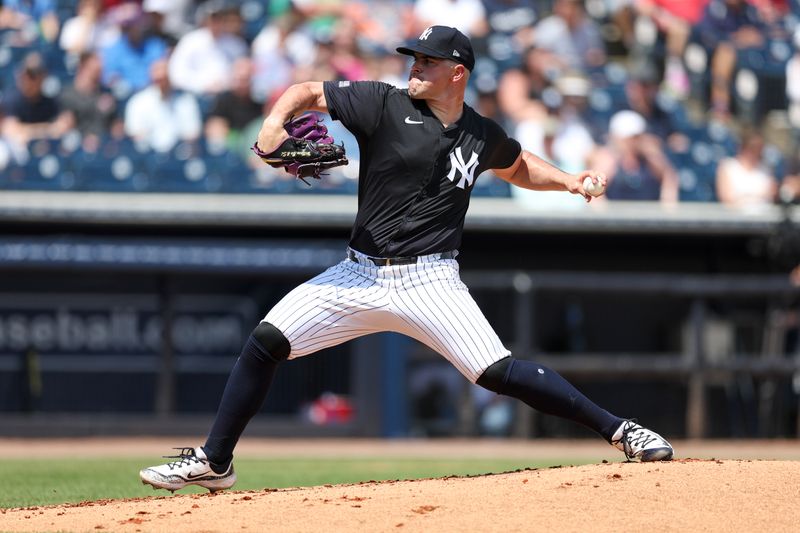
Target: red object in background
(330, 408)
(689, 10)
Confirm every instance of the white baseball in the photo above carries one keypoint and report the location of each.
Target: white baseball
(595, 189)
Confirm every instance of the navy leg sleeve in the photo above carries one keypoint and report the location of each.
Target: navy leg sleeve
(243, 397)
(546, 391)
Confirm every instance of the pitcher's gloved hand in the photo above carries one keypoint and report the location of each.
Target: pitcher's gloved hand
(307, 152)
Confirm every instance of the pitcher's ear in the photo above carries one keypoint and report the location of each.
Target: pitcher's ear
(459, 71)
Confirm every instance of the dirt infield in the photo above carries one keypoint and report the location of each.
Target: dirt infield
(719, 494)
(592, 449)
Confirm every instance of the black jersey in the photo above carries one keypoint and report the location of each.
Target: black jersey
(416, 176)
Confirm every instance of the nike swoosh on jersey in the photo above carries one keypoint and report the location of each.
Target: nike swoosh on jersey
(409, 121)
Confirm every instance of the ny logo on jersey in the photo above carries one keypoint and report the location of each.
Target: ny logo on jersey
(467, 169)
(425, 34)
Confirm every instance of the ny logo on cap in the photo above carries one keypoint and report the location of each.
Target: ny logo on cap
(467, 170)
(425, 34)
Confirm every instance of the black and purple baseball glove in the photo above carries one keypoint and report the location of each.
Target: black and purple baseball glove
(307, 152)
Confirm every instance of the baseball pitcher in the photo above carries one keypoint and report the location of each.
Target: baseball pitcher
(422, 149)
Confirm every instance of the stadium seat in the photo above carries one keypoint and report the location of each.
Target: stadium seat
(679, 160)
(255, 16)
(66, 9)
(696, 186)
(183, 169)
(45, 173)
(117, 166)
(226, 171)
(598, 113)
(56, 60)
(775, 160)
(702, 165)
(760, 82)
(10, 59)
(721, 136)
(679, 118)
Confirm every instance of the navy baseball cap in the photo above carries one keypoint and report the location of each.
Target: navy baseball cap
(442, 42)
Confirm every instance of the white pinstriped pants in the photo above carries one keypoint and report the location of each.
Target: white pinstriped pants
(426, 301)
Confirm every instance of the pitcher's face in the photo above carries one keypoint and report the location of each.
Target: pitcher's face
(429, 76)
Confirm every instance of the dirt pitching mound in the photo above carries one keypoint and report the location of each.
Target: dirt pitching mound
(684, 495)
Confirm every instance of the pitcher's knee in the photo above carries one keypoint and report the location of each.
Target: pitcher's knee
(272, 341)
(494, 378)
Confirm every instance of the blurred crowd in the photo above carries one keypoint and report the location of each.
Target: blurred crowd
(674, 101)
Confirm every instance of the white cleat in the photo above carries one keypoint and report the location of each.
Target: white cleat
(638, 442)
(191, 468)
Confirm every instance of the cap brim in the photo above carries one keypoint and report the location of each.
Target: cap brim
(424, 50)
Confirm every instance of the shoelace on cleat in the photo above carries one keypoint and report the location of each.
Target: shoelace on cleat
(630, 438)
(186, 456)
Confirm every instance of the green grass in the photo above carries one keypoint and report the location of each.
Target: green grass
(34, 482)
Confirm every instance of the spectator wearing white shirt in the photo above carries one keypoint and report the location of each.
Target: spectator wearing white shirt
(83, 32)
(203, 58)
(793, 89)
(744, 180)
(159, 117)
(562, 138)
(278, 51)
(469, 16)
(173, 15)
(568, 40)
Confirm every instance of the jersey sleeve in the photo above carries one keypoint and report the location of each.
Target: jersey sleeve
(502, 149)
(358, 105)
